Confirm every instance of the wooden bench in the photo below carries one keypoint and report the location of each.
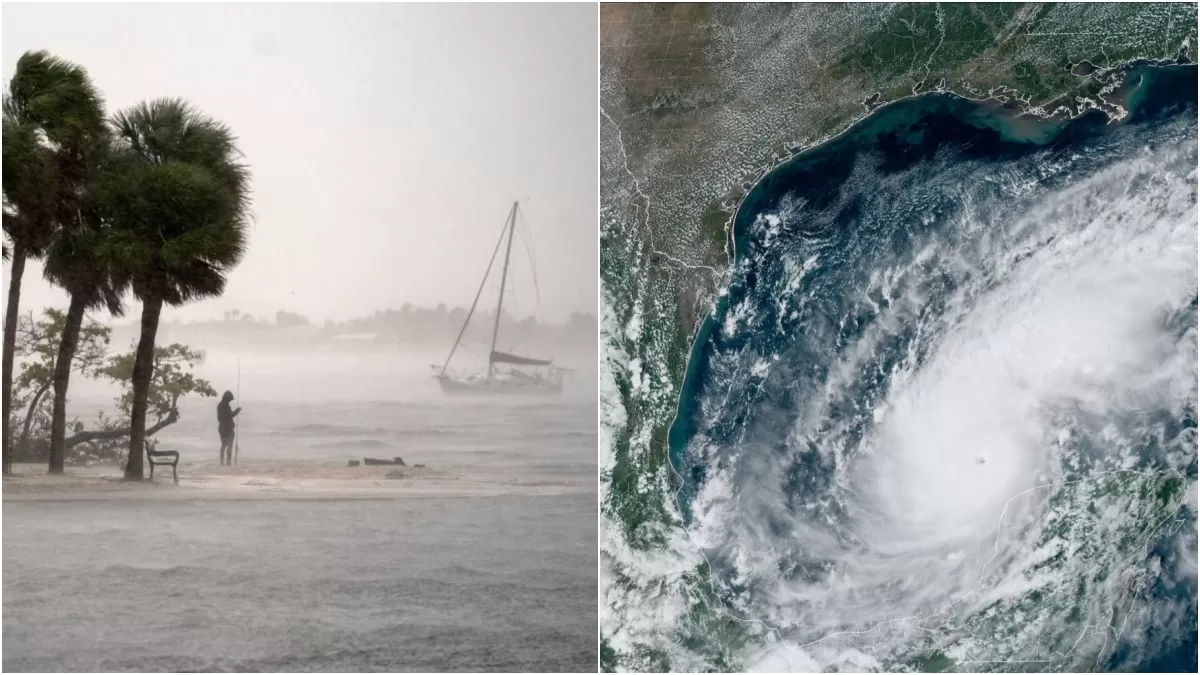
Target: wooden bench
(162, 457)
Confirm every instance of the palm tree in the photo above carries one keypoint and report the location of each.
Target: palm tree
(80, 261)
(50, 109)
(30, 181)
(184, 224)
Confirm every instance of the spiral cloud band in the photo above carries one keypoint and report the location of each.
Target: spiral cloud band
(945, 416)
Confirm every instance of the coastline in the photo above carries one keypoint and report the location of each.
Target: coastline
(270, 481)
(1151, 98)
(998, 115)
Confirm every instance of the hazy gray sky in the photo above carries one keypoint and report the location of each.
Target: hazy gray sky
(387, 142)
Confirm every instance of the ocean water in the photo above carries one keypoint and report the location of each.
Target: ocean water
(418, 583)
(945, 416)
(327, 408)
(425, 584)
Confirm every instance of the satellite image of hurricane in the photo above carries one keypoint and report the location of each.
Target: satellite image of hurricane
(899, 332)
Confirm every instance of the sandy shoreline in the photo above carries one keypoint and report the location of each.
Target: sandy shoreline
(268, 480)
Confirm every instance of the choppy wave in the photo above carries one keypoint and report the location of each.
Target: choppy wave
(478, 585)
(352, 444)
(946, 416)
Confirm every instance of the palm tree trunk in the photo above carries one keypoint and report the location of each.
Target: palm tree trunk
(62, 379)
(143, 370)
(10, 344)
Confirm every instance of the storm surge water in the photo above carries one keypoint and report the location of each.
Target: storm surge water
(945, 416)
(425, 584)
(485, 562)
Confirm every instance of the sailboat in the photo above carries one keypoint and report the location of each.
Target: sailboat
(507, 374)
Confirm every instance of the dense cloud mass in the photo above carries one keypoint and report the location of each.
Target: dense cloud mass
(947, 415)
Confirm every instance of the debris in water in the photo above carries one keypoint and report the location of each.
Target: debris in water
(395, 461)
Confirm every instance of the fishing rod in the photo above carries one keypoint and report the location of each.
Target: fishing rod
(237, 427)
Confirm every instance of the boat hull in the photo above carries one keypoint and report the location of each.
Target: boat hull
(483, 386)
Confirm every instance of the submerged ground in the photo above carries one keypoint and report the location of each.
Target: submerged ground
(482, 559)
(417, 584)
(939, 368)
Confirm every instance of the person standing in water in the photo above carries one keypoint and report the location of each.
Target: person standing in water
(225, 427)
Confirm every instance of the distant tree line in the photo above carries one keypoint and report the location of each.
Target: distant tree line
(432, 326)
(422, 325)
(151, 202)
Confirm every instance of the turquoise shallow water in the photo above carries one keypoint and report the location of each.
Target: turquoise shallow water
(425, 584)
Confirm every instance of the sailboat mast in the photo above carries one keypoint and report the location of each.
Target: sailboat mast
(512, 226)
(475, 302)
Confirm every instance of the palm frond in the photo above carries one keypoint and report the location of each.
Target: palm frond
(57, 96)
(192, 199)
(79, 261)
(31, 186)
(54, 120)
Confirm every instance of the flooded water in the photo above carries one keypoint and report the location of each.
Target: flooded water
(333, 407)
(497, 584)
(465, 582)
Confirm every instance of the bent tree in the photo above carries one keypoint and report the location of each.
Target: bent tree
(183, 228)
(172, 379)
(81, 260)
(50, 108)
(37, 344)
